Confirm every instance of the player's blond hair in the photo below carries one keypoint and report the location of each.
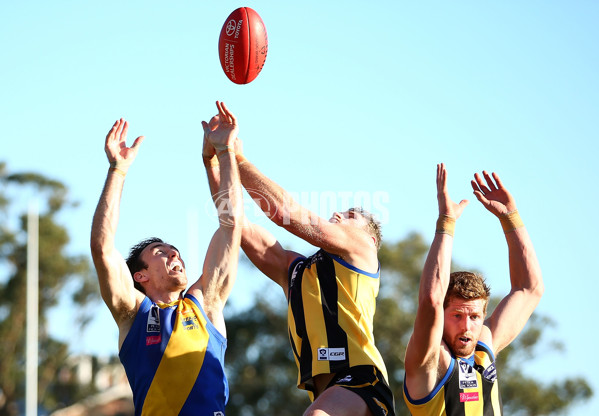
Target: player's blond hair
(374, 225)
(467, 285)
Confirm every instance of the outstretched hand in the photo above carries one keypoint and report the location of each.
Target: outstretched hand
(493, 195)
(119, 155)
(446, 205)
(222, 129)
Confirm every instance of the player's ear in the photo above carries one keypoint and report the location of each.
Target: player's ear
(140, 277)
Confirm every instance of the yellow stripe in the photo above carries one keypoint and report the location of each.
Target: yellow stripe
(356, 301)
(475, 407)
(180, 364)
(495, 398)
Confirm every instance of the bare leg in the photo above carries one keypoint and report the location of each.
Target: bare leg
(338, 401)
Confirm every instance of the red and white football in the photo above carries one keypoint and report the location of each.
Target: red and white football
(243, 45)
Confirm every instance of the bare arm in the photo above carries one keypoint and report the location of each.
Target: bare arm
(261, 247)
(514, 310)
(220, 265)
(354, 244)
(116, 283)
(424, 349)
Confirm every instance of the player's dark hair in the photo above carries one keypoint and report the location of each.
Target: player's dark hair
(374, 225)
(134, 261)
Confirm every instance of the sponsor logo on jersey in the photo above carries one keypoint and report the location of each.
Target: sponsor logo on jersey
(469, 397)
(331, 354)
(153, 339)
(490, 372)
(190, 322)
(153, 319)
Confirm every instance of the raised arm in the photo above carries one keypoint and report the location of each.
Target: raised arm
(116, 283)
(261, 247)
(515, 309)
(422, 354)
(220, 265)
(283, 210)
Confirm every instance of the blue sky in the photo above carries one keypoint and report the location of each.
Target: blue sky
(354, 101)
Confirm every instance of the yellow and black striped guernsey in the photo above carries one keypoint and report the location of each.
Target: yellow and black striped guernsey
(469, 388)
(330, 312)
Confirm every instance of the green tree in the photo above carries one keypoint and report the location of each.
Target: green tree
(260, 366)
(56, 269)
(262, 371)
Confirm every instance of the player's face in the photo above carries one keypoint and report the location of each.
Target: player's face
(349, 217)
(165, 268)
(463, 325)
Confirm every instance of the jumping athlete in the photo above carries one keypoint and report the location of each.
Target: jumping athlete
(450, 359)
(331, 295)
(171, 344)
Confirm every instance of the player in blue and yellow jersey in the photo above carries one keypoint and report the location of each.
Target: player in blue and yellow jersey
(172, 343)
(331, 295)
(450, 358)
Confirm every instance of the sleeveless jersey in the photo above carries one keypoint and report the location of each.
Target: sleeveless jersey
(174, 360)
(469, 388)
(330, 310)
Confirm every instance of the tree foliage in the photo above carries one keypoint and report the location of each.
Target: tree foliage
(263, 373)
(56, 269)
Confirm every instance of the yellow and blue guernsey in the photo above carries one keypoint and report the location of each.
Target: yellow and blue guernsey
(469, 388)
(174, 360)
(330, 316)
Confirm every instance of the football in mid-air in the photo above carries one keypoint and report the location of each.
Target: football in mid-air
(243, 45)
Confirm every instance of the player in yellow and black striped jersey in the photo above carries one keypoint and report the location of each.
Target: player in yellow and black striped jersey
(450, 358)
(469, 387)
(331, 297)
(330, 315)
(330, 312)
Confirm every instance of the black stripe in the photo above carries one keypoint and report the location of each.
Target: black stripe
(487, 403)
(293, 345)
(297, 307)
(452, 391)
(336, 336)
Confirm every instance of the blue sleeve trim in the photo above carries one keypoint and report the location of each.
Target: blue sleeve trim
(435, 390)
(211, 328)
(355, 269)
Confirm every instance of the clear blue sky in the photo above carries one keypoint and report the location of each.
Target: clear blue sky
(355, 98)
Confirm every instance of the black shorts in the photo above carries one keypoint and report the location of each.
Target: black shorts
(368, 383)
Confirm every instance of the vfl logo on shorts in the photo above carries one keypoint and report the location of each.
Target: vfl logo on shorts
(331, 354)
(219, 413)
(345, 379)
